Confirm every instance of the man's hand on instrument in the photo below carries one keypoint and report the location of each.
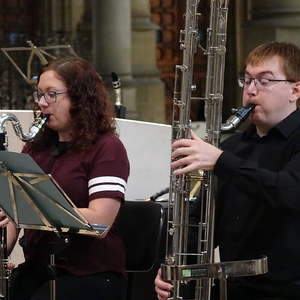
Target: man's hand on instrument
(162, 288)
(193, 154)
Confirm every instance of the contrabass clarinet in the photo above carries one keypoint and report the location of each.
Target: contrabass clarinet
(36, 126)
(190, 265)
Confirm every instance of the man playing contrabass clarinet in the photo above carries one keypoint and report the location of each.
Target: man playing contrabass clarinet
(258, 172)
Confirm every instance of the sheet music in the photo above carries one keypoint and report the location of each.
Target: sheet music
(34, 200)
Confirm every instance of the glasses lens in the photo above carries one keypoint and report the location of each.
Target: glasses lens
(263, 81)
(241, 81)
(51, 97)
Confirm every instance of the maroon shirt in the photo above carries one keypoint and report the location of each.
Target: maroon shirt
(101, 172)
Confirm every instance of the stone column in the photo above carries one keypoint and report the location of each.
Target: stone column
(112, 46)
(272, 20)
(59, 20)
(149, 87)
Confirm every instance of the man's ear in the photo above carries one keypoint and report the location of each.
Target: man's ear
(295, 92)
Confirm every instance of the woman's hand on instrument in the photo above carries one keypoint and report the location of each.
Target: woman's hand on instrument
(4, 220)
(193, 154)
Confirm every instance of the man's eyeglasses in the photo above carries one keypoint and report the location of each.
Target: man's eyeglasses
(260, 83)
(50, 97)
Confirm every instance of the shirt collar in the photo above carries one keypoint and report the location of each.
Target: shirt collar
(286, 127)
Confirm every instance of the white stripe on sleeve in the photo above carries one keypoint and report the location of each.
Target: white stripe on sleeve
(106, 184)
(106, 179)
(106, 187)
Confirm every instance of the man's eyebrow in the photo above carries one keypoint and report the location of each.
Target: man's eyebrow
(260, 74)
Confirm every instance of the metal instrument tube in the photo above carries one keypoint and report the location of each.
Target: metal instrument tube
(240, 115)
(186, 261)
(120, 109)
(36, 126)
(215, 51)
(179, 190)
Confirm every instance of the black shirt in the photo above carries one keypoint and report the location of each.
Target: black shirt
(259, 199)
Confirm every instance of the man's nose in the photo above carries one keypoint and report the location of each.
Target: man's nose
(252, 87)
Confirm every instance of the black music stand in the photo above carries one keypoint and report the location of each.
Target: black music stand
(33, 200)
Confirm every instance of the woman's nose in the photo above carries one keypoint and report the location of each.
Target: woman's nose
(43, 102)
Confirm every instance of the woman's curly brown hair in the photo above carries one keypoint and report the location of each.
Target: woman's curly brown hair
(91, 109)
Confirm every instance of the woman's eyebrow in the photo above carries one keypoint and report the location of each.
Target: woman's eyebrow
(49, 89)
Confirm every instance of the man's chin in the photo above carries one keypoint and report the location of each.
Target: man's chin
(255, 116)
(258, 122)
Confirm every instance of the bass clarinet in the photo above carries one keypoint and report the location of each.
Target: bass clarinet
(191, 267)
(36, 126)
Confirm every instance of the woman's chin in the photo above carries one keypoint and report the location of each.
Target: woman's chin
(52, 126)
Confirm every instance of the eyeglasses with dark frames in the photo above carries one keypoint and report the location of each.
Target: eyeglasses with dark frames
(261, 83)
(50, 96)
